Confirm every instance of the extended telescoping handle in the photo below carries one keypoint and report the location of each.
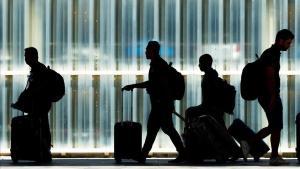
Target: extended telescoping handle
(131, 106)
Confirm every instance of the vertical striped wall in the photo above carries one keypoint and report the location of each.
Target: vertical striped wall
(98, 46)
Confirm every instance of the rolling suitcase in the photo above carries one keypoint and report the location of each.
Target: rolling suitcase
(298, 137)
(28, 141)
(241, 132)
(127, 139)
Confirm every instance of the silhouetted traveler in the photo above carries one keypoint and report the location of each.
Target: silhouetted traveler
(35, 100)
(158, 87)
(269, 98)
(210, 93)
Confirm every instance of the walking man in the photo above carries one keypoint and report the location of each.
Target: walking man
(158, 87)
(269, 97)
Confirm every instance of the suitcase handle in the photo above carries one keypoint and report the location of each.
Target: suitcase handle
(131, 107)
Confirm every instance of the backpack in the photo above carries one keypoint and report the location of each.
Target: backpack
(55, 84)
(177, 83)
(251, 79)
(227, 96)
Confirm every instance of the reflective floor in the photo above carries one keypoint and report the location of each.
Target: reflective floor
(152, 163)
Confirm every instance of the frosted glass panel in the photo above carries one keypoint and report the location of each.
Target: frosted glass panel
(99, 45)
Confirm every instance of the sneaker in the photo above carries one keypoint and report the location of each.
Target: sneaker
(179, 159)
(245, 148)
(140, 159)
(276, 161)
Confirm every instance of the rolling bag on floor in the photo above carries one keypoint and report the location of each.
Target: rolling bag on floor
(214, 140)
(205, 138)
(241, 132)
(127, 139)
(298, 136)
(27, 141)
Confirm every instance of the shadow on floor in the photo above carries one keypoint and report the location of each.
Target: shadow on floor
(149, 162)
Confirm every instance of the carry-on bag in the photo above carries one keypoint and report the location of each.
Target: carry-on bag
(241, 132)
(127, 138)
(28, 141)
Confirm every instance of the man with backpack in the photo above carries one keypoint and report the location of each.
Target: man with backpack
(159, 88)
(35, 101)
(269, 95)
(212, 87)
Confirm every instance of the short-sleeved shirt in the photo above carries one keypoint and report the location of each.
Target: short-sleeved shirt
(271, 57)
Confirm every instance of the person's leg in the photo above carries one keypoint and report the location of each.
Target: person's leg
(275, 158)
(46, 131)
(152, 130)
(275, 123)
(275, 140)
(275, 117)
(169, 129)
(264, 132)
(175, 138)
(46, 137)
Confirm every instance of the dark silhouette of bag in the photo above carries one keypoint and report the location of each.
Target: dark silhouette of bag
(55, 85)
(241, 132)
(177, 83)
(205, 138)
(227, 96)
(127, 138)
(27, 141)
(251, 80)
(298, 136)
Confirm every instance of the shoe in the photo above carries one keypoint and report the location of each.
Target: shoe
(179, 159)
(276, 161)
(140, 159)
(245, 149)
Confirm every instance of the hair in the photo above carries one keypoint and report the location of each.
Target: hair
(284, 34)
(206, 58)
(155, 45)
(33, 52)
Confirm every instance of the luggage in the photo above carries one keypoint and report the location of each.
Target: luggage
(127, 139)
(205, 138)
(241, 132)
(298, 137)
(28, 142)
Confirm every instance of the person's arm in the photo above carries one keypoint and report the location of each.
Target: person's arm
(270, 85)
(137, 85)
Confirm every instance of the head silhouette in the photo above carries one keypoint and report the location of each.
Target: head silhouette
(31, 56)
(205, 62)
(284, 39)
(152, 50)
